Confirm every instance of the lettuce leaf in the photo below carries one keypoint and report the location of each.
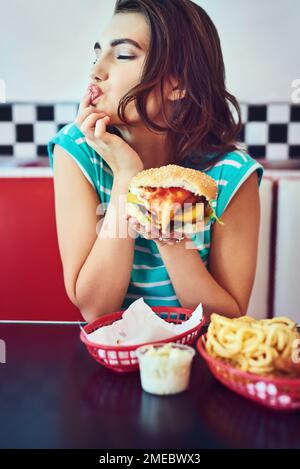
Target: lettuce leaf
(213, 215)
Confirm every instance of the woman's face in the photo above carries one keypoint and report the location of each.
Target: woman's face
(120, 67)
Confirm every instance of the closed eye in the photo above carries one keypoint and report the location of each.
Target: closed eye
(124, 57)
(120, 57)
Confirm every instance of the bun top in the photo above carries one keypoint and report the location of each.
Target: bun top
(177, 176)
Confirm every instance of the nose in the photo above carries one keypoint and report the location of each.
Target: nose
(95, 77)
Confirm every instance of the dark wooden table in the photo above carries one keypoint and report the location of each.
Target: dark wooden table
(54, 395)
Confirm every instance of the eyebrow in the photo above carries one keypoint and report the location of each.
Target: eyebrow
(116, 42)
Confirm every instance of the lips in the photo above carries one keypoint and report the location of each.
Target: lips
(95, 93)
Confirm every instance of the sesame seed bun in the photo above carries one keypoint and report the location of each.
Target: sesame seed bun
(176, 176)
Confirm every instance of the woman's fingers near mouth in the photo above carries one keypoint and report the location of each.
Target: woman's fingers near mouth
(100, 126)
(85, 102)
(87, 112)
(90, 121)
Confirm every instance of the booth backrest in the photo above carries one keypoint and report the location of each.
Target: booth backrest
(32, 286)
(287, 269)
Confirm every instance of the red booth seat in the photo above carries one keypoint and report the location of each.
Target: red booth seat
(31, 284)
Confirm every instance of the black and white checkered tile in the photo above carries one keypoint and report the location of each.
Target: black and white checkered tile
(270, 131)
(25, 129)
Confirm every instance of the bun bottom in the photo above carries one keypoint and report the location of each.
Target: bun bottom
(186, 228)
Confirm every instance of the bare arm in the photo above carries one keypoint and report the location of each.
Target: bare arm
(96, 278)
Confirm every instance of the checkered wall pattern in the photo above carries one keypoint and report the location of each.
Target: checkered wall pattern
(270, 131)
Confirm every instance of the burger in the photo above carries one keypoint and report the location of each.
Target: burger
(172, 198)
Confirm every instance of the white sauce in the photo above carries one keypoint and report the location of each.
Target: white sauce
(165, 369)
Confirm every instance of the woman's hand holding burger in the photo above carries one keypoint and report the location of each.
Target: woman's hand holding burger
(122, 159)
(154, 234)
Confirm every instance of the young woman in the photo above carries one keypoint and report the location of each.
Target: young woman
(160, 69)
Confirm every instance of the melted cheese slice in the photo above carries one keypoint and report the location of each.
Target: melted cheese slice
(195, 213)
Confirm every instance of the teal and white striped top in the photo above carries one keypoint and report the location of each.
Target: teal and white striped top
(149, 277)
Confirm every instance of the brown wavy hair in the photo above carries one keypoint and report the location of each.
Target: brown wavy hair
(184, 42)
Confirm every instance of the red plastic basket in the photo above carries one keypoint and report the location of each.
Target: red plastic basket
(123, 358)
(277, 393)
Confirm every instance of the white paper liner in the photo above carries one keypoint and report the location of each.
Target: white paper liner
(139, 324)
